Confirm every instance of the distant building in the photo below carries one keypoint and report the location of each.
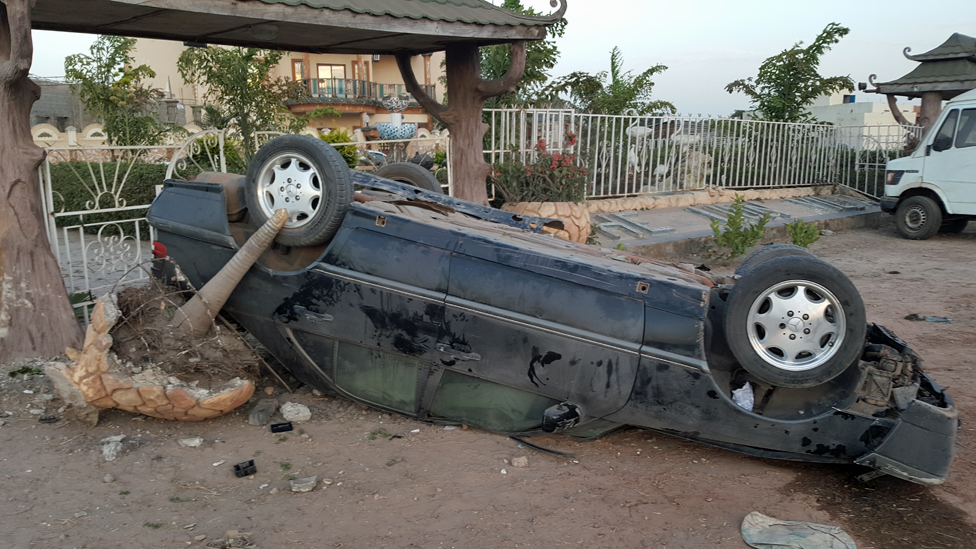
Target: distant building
(844, 109)
(353, 84)
(58, 106)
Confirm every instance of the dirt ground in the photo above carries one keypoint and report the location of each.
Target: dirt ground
(400, 483)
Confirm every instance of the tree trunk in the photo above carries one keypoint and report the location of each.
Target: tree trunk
(36, 318)
(468, 93)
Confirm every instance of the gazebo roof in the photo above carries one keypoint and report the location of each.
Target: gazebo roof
(949, 69)
(315, 26)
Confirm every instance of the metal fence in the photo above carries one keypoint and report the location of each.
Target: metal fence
(632, 154)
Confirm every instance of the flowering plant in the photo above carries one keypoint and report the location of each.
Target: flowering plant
(552, 177)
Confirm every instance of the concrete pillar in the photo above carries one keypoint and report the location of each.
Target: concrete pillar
(931, 108)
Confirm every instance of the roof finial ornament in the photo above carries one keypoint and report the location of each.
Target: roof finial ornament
(560, 12)
(907, 51)
(871, 79)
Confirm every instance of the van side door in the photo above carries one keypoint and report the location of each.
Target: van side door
(950, 162)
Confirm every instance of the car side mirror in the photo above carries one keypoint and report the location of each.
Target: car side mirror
(942, 143)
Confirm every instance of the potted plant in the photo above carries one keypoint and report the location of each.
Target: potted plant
(553, 185)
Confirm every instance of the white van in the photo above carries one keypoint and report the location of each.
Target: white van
(934, 189)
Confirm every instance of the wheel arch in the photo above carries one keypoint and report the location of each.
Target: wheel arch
(930, 191)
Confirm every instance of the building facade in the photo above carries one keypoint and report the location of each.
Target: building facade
(844, 109)
(353, 84)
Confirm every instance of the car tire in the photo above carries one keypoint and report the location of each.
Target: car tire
(768, 252)
(411, 174)
(918, 218)
(954, 226)
(305, 176)
(801, 297)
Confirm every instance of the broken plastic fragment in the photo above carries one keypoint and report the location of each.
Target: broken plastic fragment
(764, 532)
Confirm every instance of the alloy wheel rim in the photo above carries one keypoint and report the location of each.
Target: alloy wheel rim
(796, 325)
(292, 182)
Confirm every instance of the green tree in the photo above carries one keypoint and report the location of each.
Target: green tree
(789, 82)
(541, 57)
(611, 92)
(113, 91)
(242, 93)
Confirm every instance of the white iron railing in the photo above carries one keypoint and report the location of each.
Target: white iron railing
(633, 154)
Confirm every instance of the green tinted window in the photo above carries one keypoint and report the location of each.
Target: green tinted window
(488, 405)
(377, 377)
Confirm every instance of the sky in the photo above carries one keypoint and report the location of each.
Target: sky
(707, 43)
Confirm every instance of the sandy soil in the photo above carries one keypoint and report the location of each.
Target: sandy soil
(401, 483)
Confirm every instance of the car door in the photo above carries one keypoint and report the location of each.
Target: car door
(369, 315)
(542, 335)
(950, 163)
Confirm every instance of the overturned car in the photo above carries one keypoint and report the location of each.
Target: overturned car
(418, 303)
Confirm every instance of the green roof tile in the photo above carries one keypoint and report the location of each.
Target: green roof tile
(464, 11)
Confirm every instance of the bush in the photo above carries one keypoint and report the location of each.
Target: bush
(348, 152)
(72, 181)
(802, 234)
(551, 177)
(738, 236)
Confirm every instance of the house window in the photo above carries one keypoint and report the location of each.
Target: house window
(849, 98)
(331, 71)
(297, 70)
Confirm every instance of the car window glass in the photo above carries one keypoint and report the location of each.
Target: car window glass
(377, 377)
(488, 405)
(943, 140)
(966, 136)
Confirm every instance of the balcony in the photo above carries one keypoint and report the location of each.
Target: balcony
(325, 89)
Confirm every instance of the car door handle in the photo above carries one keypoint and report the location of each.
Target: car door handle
(456, 354)
(312, 317)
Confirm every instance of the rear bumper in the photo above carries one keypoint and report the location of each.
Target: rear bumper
(889, 204)
(921, 447)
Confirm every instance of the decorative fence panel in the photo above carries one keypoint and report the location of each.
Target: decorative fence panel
(633, 154)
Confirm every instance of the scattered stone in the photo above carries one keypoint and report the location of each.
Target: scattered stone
(450, 427)
(200, 538)
(190, 442)
(295, 412)
(262, 411)
(269, 390)
(2, 422)
(219, 463)
(37, 412)
(826, 232)
(304, 484)
(273, 491)
(504, 472)
(80, 514)
(316, 392)
(190, 526)
(193, 360)
(108, 478)
(112, 447)
(327, 481)
(415, 431)
(521, 461)
(263, 486)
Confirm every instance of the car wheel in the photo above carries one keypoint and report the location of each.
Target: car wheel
(795, 322)
(768, 252)
(918, 218)
(411, 174)
(954, 226)
(308, 178)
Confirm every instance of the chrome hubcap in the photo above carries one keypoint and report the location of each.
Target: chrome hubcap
(290, 181)
(796, 325)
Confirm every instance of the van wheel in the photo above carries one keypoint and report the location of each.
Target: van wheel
(918, 218)
(308, 178)
(954, 226)
(411, 174)
(795, 322)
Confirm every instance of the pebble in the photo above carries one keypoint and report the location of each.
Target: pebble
(108, 478)
(273, 491)
(80, 514)
(316, 392)
(263, 486)
(504, 472)
(826, 232)
(200, 537)
(415, 431)
(190, 442)
(327, 481)
(295, 412)
(521, 461)
(261, 412)
(112, 447)
(219, 463)
(269, 390)
(450, 427)
(304, 484)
